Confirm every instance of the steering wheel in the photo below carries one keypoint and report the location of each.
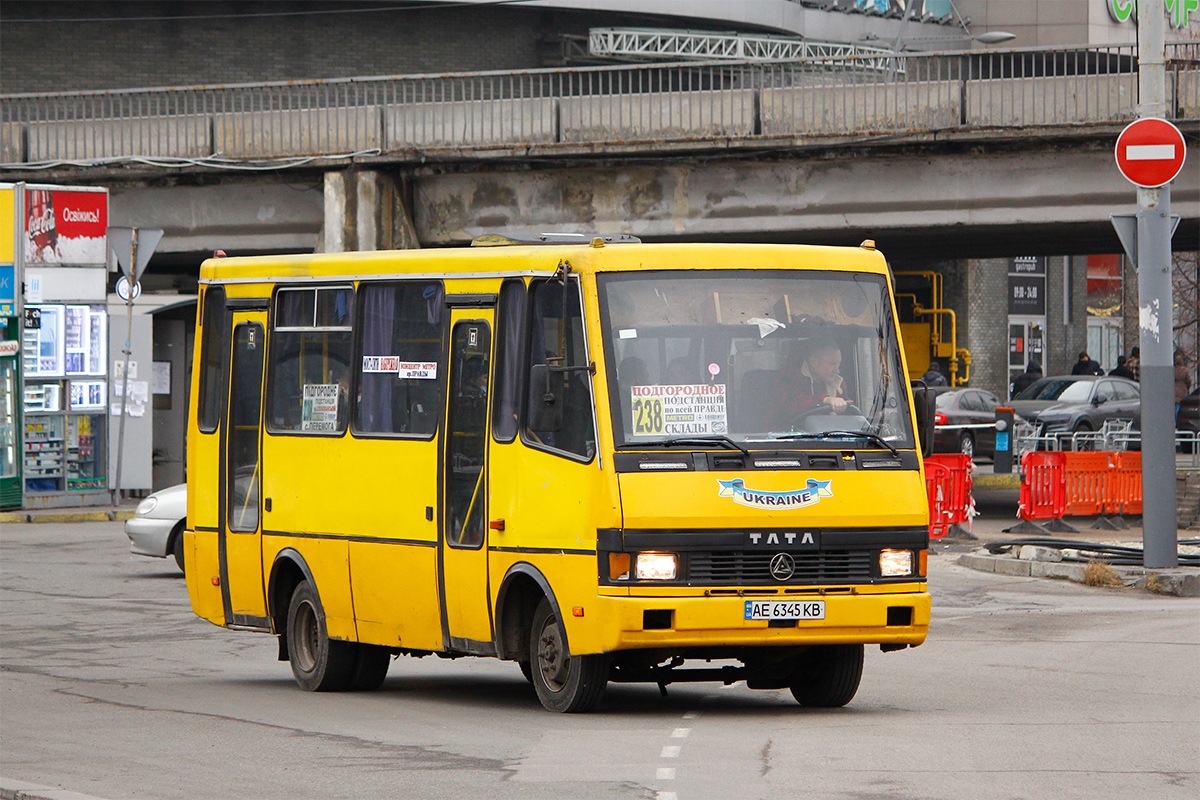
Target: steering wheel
(824, 408)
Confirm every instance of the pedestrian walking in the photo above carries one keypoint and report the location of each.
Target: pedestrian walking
(1085, 365)
(933, 376)
(1122, 370)
(1032, 373)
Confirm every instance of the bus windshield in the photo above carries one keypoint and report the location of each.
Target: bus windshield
(753, 358)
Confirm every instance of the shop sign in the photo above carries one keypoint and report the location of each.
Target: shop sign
(1179, 12)
(65, 227)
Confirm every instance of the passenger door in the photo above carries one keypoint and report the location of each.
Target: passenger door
(466, 612)
(240, 545)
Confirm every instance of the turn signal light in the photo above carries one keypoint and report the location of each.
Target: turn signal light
(618, 566)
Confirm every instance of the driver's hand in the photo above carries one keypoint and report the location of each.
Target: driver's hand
(837, 404)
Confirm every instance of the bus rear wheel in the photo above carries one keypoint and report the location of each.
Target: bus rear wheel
(563, 682)
(371, 664)
(319, 664)
(827, 676)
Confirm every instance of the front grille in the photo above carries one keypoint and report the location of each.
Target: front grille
(755, 568)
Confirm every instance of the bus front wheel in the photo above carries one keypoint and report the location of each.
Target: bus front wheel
(827, 676)
(563, 682)
(320, 664)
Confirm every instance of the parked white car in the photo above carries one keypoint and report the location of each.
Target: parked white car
(156, 528)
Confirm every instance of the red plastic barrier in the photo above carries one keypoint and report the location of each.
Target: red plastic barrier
(1043, 488)
(1087, 477)
(1127, 488)
(937, 480)
(948, 480)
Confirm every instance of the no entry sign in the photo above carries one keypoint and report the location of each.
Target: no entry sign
(1150, 152)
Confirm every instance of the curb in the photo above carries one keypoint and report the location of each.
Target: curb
(1178, 582)
(11, 517)
(21, 790)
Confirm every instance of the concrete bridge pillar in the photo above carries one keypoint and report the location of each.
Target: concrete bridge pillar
(366, 210)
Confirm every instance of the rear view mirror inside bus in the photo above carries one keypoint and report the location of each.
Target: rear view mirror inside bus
(545, 402)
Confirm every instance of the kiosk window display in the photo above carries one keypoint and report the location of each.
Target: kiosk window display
(64, 411)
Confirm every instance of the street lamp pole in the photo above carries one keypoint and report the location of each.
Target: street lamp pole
(1156, 313)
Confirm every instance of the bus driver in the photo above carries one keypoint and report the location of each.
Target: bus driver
(817, 382)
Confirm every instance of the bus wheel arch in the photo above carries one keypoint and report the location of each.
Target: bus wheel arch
(523, 587)
(289, 571)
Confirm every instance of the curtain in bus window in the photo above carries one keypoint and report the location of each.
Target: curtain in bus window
(558, 341)
(310, 360)
(399, 369)
(506, 372)
(214, 353)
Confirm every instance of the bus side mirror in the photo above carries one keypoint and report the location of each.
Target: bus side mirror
(923, 405)
(546, 408)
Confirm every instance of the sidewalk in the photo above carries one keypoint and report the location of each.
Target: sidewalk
(1040, 555)
(88, 514)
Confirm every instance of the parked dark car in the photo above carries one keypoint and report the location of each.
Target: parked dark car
(964, 406)
(1079, 403)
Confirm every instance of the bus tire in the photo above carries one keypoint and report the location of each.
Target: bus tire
(563, 683)
(827, 676)
(319, 664)
(370, 668)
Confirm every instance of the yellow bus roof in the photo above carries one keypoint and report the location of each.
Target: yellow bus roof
(538, 259)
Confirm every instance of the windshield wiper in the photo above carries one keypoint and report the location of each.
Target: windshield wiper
(871, 437)
(694, 441)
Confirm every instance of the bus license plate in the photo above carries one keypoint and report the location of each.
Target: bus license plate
(785, 609)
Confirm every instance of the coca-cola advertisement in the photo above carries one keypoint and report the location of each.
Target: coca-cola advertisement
(64, 227)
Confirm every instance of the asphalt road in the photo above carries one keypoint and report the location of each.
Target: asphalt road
(1026, 688)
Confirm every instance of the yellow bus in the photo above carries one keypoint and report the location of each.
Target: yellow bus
(606, 460)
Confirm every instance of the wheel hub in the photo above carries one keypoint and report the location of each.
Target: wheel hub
(551, 662)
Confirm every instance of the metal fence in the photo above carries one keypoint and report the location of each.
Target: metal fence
(657, 105)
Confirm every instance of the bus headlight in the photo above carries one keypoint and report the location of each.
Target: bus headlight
(895, 563)
(655, 566)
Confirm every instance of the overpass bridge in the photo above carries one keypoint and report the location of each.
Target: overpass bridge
(934, 155)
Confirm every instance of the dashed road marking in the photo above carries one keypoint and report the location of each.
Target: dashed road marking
(681, 733)
(670, 751)
(665, 774)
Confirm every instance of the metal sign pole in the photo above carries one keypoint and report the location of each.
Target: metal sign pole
(116, 495)
(1156, 315)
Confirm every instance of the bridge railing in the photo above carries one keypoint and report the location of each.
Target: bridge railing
(705, 104)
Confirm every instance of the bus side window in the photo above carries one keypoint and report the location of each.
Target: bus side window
(510, 333)
(554, 341)
(214, 359)
(398, 350)
(309, 374)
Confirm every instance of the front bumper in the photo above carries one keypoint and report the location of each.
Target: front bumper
(852, 615)
(149, 536)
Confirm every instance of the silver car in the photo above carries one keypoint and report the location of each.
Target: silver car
(156, 528)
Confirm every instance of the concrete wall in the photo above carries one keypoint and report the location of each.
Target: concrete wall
(158, 137)
(316, 131)
(657, 115)
(1006, 195)
(467, 123)
(1051, 101)
(871, 107)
